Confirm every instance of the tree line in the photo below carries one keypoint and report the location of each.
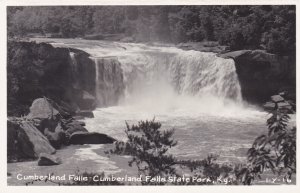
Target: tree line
(269, 27)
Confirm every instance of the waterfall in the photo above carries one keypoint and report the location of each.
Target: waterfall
(200, 74)
(74, 70)
(109, 81)
(167, 74)
(161, 77)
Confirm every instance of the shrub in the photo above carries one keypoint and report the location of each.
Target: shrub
(148, 147)
(275, 151)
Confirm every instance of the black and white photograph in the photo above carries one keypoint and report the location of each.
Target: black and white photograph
(150, 95)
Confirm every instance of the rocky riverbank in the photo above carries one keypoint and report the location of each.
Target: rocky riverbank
(46, 99)
(46, 128)
(35, 70)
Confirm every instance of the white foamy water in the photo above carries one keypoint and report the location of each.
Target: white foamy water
(198, 94)
(103, 163)
(197, 133)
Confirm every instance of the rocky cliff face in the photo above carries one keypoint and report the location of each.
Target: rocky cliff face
(37, 70)
(262, 75)
(59, 83)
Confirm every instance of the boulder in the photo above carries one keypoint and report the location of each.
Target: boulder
(78, 117)
(277, 98)
(48, 160)
(269, 106)
(284, 105)
(279, 102)
(90, 138)
(88, 114)
(25, 141)
(43, 124)
(80, 123)
(44, 114)
(41, 108)
(69, 108)
(87, 96)
(87, 101)
(56, 138)
(73, 127)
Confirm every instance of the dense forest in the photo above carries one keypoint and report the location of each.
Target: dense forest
(269, 27)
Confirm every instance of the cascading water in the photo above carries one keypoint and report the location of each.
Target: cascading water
(109, 81)
(74, 69)
(173, 78)
(203, 74)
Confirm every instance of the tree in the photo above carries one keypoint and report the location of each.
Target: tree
(270, 27)
(148, 147)
(275, 151)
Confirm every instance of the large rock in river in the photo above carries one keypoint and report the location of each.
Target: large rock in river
(42, 109)
(87, 100)
(44, 114)
(48, 160)
(88, 114)
(25, 141)
(90, 138)
(262, 74)
(74, 126)
(56, 138)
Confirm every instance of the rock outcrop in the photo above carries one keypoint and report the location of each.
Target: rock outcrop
(56, 138)
(42, 109)
(35, 70)
(25, 141)
(45, 129)
(88, 114)
(90, 138)
(48, 160)
(278, 102)
(74, 126)
(262, 74)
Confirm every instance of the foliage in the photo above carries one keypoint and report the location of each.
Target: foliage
(270, 27)
(275, 151)
(148, 147)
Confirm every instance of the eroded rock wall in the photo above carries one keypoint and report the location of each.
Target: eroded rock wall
(262, 74)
